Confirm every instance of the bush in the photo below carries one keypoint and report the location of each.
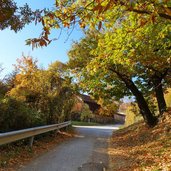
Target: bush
(86, 113)
(16, 115)
(132, 115)
(168, 97)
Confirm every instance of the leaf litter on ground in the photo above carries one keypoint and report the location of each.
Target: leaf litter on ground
(140, 148)
(15, 155)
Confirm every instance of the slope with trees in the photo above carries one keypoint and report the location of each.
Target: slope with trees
(119, 55)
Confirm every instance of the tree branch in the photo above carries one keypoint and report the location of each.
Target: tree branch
(163, 15)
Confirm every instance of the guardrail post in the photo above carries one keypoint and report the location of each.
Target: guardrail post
(31, 141)
(56, 131)
(66, 128)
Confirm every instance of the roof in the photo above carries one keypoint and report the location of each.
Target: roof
(87, 98)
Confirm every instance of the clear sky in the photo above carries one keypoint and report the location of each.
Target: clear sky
(12, 44)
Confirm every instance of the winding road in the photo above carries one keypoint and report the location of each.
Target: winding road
(85, 152)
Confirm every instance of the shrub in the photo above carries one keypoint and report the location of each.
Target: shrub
(168, 97)
(132, 115)
(86, 113)
(16, 115)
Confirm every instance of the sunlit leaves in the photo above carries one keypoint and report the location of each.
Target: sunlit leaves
(92, 71)
(47, 91)
(99, 14)
(126, 53)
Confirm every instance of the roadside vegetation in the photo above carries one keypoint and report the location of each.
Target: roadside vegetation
(32, 96)
(79, 123)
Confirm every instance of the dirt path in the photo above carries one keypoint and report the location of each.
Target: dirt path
(87, 150)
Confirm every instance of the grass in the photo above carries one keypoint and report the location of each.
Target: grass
(80, 123)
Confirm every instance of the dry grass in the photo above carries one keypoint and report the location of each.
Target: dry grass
(139, 148)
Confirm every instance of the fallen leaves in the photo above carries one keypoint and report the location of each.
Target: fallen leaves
(15, 156)
(139, 148)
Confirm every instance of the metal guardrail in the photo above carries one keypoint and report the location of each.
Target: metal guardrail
(12, 136)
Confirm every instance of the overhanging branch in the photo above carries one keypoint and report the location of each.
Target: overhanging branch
(163, 15)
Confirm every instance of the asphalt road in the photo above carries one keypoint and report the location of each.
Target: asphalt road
(85, 152)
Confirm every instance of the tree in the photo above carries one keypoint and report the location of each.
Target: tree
(99, 14)
(126, 17)
(14, 111)
(14, 17)
(108, 107)
(119, 58)
(45, 91)
(145, 49)
(23, 84)
(151, 48)
(86, 114)
(98, 75)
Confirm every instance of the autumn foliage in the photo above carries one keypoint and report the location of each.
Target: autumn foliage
(35, 96)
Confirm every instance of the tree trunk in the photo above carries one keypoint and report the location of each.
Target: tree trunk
(149, 118)
(159, 95)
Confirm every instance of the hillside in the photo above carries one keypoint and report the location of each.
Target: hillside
(139, 148)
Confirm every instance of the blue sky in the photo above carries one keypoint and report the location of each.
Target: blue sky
(12, 44)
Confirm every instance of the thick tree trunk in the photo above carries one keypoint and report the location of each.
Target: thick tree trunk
(149, 118)
(159, 95)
